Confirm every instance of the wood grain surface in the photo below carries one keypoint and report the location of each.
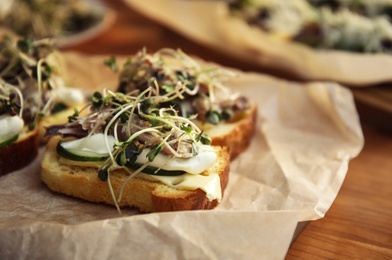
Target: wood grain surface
(359, 223)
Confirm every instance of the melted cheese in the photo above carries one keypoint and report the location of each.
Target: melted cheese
(10, 125)
(195, 165)
(69, 96)
(63, 94)
(93, 164)
(94, 144)
(210, 184)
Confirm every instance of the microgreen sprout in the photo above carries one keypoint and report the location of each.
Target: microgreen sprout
(11, 99)
(103, 174)
(26, 67)
(74, 116)
(184, 84)
(26, 45)
(213, 117)
(204, 138)
(111, 62)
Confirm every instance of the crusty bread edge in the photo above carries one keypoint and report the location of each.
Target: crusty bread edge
(147, 196)
(236, 135)
(19, 154)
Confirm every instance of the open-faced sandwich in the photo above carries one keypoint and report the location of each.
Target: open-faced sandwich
(226, 116)
(18, 134)
(128, 150)
(38, 70)
(349, 25)
(32, 94)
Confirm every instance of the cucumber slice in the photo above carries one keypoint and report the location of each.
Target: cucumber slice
(86, 156)
(4, 141)
(154, 171)
(80, 155)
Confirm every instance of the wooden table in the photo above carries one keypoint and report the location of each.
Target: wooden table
(359, 223)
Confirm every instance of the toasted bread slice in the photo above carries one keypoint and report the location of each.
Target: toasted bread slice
(146, 195)
(19, 154)
(236, 134)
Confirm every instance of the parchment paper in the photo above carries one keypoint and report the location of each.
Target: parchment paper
(293, 170)
(209, 23)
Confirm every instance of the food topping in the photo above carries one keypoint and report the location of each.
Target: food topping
(194, 165)
(93, 144)
(30, 81)
(47, 18)
(10, 125)
(191, 88)
(210, 184)
(140, 128)
(350, 25)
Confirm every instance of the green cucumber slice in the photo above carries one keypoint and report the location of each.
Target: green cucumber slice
(85, 156)
(153, 170)
(79, 155)
(4, 141)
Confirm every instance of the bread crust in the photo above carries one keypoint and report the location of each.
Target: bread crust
(19, 154)
(146, 195)
(235, 135)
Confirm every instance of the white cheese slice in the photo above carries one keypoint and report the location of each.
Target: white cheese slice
(66, 95)
(94, 144)
(210, 184)
(10, 125)
(195, 165)
(69, 96)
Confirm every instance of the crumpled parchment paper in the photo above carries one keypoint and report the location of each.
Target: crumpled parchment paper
(210, 24)
(292, 172)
